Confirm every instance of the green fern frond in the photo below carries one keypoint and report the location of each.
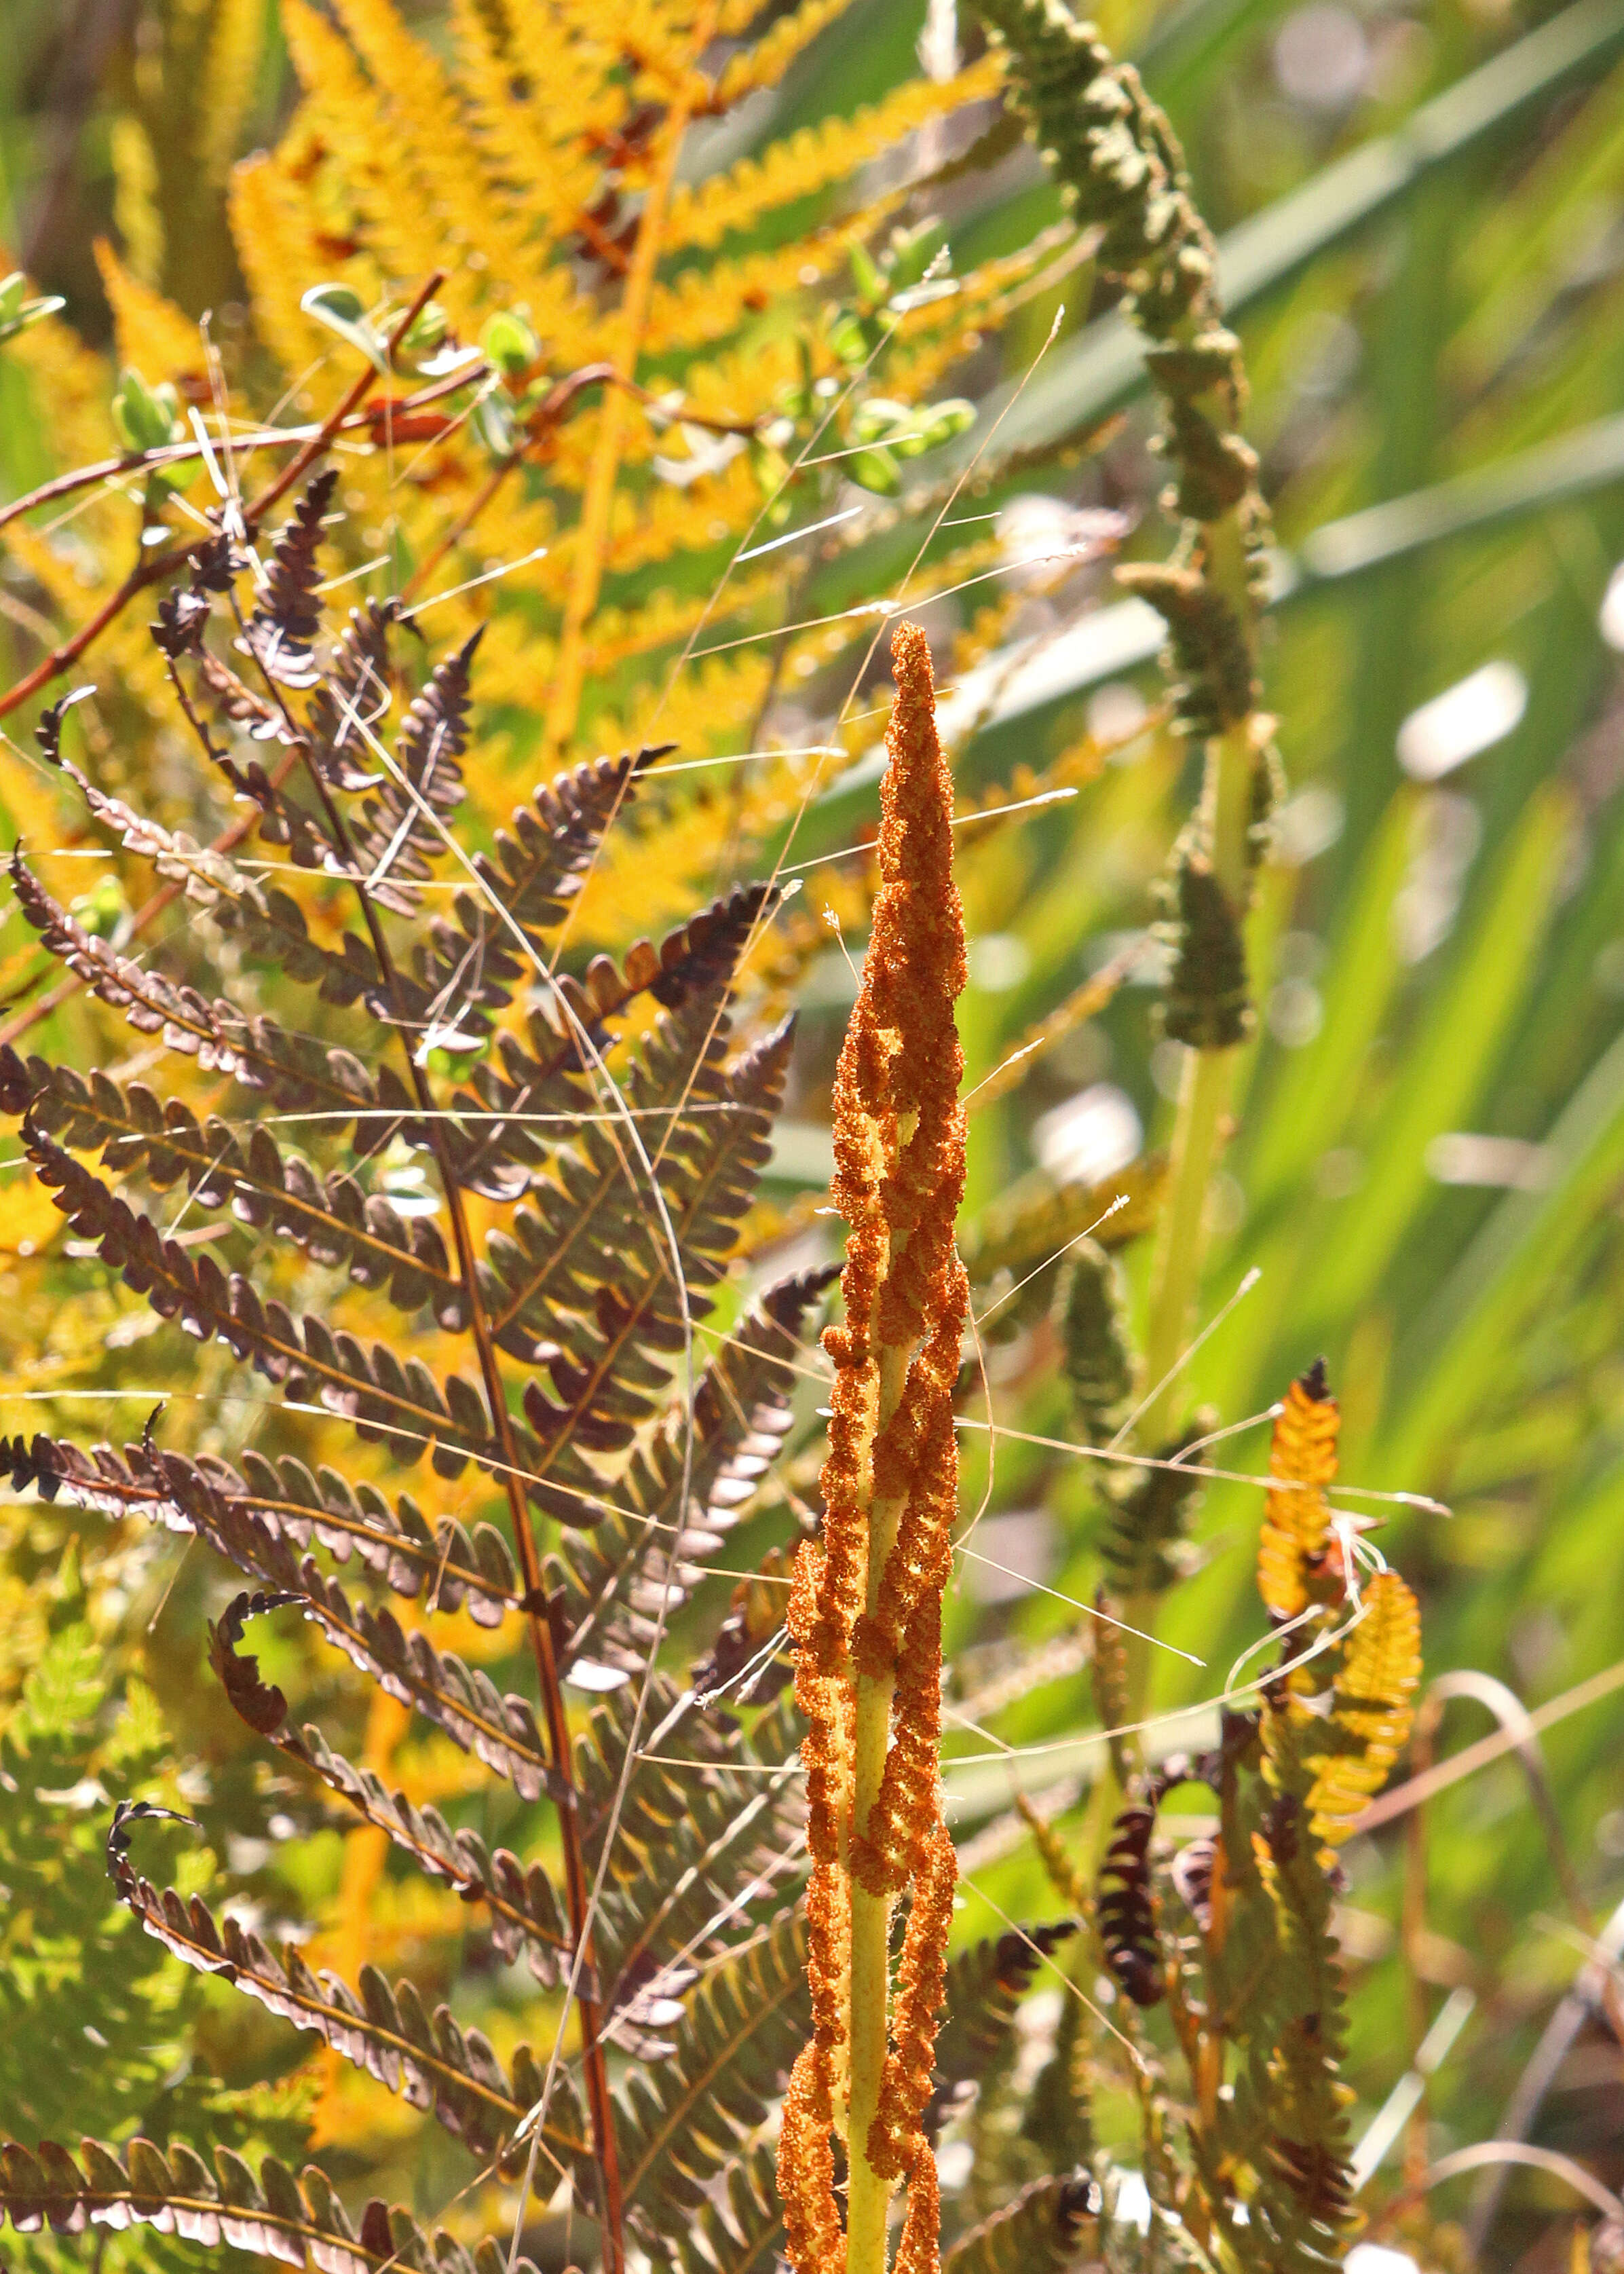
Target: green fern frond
(683, 2122)
(1046, 2230)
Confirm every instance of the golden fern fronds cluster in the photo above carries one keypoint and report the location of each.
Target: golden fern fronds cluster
(659, 361)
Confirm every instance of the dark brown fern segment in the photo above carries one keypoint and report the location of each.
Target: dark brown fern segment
(282, 633)
(1127, 1908)
(293, 2221)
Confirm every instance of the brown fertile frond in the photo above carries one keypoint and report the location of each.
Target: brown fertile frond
(382, 2029)
(865, 1605)
(813, 2233)
(1296, 1521)
(896, 2144)
(299, 2222)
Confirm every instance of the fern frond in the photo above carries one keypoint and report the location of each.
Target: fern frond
(526, 1920)
(329, 1217)
(1096, 1353)
(152, 335)
(681, 2124)
(509, 1111)
(460, 1700)
(396, 836)
(291, 2221)
(590, 1241)
(281, 634)
(383, 2028)
(268, 921)
(1296, 1523)
(1058, 2116)
(1148, 1516)
(473, 961)
(743, 2234)
(703, 213)
(1036, 1218)
(1371, 1707)
(402, 1405)
(297, 1072)
(1127, 1907)
(642, 1554)
(691, 1837)
(765, 62)
(458, 1570)
(985, 1985)
(1044, 2231)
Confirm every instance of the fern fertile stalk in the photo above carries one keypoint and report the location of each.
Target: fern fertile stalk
(866, 1609)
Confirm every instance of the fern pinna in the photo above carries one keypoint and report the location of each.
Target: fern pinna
(593, 1162)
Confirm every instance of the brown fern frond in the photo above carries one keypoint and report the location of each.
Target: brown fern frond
(281, 634)
(298, 1073)
(1127, 1908)
(397, 835)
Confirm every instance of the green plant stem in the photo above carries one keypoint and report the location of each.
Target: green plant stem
(869, 2200)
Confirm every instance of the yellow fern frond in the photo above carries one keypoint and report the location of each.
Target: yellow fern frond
(1298, 1522)
(135, 195)
(765, 63)
(702, 304)
(545, 97)
(149, 332)
(702, 213)
(429, 130)
(237, 41)
(1372, 1708)
(274, 230)
(403, 230)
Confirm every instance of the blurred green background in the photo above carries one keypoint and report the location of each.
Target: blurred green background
(1421, 211)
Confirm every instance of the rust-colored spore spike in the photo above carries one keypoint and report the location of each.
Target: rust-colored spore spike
(865, 1601)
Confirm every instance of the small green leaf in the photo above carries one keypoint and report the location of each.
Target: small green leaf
(877, 471)
(342, 310)
(145, 417)
(866, 275)
(510, 346)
